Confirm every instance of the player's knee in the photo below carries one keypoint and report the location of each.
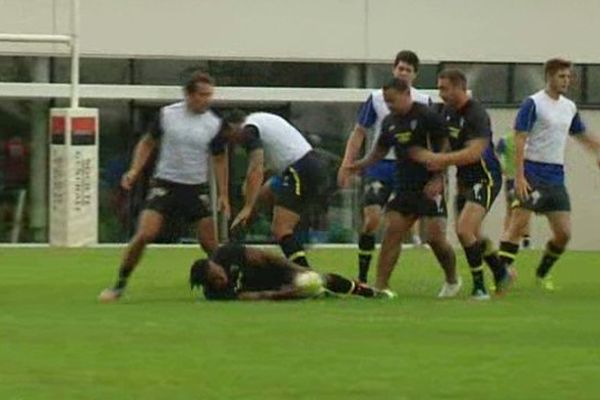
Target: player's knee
(209, 244)
(145, 237)
(562, 237)
(371, 222)
(465, 235)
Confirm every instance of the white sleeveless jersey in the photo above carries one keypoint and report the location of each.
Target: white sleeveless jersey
(282, 143)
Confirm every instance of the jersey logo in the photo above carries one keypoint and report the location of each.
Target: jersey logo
(403, 137)
(391, 128)
(454, 132)
(413, 124)
(157, 192)
(461, 122)
(477, 191)
(438, 202)
(375, 187)
(535, 197)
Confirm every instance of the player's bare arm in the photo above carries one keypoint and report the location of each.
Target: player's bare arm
(252, 185)
(222, 176)
(522, 187)
(353, 146)
(470, 154)
(377, 154)
(143, 151)
(592, 143)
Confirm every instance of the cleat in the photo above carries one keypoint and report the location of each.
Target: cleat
(110, 295)
(502, 285)
(479, 294)
(386, 294)
(546, 283)
(450, 289)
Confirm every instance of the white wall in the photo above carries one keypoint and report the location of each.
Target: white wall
(361, 30)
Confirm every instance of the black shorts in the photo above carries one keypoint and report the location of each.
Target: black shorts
(545, 199)
(416, 203)
(483, 193)
(304, 184)
(376, 192)
(190, 202)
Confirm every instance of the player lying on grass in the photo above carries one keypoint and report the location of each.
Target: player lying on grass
(237, 272)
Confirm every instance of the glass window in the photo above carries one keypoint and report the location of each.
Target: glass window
(593, 84)
(23, 195)
(528, 79)
(488, 82)
(93, 70)
(379, 74)
(249, 73)
(15, 69)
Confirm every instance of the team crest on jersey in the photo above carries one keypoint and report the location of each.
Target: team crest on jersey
(413, 124)
(454, 132)
(403, 137)
(391, 128)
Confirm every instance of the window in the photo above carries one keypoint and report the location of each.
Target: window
(488, 82)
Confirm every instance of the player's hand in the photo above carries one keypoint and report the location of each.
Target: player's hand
(344, 176)
(434, 188)
(419, 154)
(522, 187)
(128, 179)
(242, 218)
(435, 162)
(224, 207)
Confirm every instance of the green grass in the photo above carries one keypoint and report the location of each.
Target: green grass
(57, 342)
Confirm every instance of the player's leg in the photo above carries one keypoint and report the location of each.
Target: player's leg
(341, 285)
(435, 228)
(207, 235)
(468, 227)
(149, 226)
(509, 242)
(397, 226)
(366, 240)
(560, 224)
(282, 227)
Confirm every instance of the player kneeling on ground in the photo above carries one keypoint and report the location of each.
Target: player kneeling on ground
(237, 272)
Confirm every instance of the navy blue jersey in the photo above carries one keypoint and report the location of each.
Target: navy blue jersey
(420, 127)
(472, 122)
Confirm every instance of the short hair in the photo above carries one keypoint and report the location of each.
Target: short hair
(401, 85)
(554, 65)
(235, 116)
(198, 273)
(409, 57)
(191, 85)
(455, 76)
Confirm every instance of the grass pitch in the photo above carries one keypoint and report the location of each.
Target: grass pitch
(160, 342)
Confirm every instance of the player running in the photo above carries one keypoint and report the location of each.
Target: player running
(544, 122)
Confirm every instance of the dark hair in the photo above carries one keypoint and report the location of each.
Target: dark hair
(400, 85)
(235, 116)
(455, 76)
(197, 77)
(198, 273)
(554, 65)
(409, 57)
